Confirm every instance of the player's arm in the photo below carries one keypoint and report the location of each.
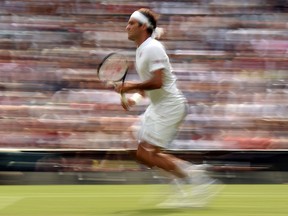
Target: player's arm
(155, 82)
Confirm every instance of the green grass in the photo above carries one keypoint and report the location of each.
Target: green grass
(137, 200)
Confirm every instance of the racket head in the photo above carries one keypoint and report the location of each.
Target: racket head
(113, 68)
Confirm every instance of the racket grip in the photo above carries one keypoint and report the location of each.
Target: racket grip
(124, 99)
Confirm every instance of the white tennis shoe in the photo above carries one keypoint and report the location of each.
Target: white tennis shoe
(196, 191)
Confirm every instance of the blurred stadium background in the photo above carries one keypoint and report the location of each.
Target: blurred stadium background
(231, 60)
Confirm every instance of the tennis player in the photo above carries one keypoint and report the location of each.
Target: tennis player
(168, 105)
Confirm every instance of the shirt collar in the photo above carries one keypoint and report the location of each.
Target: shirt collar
(145, 43)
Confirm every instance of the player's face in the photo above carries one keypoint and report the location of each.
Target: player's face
(133, 29)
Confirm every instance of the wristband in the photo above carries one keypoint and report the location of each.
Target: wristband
(136, 98)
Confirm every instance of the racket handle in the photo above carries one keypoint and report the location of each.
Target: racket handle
(123, 98)
(124, 101)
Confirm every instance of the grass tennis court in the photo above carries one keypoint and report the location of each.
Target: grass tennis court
(136, 200)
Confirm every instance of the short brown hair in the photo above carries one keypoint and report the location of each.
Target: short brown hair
(152, 17)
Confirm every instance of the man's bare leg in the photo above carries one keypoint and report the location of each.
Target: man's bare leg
(152, 156)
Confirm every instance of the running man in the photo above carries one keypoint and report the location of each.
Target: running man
(168, 106)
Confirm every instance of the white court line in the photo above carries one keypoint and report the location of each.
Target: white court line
(8, 200)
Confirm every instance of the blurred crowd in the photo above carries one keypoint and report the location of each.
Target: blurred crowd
(230, 57)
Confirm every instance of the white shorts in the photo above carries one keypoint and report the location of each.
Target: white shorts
(159, 125)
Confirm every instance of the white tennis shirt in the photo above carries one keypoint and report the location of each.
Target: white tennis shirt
(168, 105)
(151, 56)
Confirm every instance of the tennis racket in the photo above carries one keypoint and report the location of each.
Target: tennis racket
(112, 69)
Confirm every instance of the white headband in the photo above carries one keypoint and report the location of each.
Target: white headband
(141, 18)
(157, 33)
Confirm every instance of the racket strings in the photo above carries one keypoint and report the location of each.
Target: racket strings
(113, 68)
